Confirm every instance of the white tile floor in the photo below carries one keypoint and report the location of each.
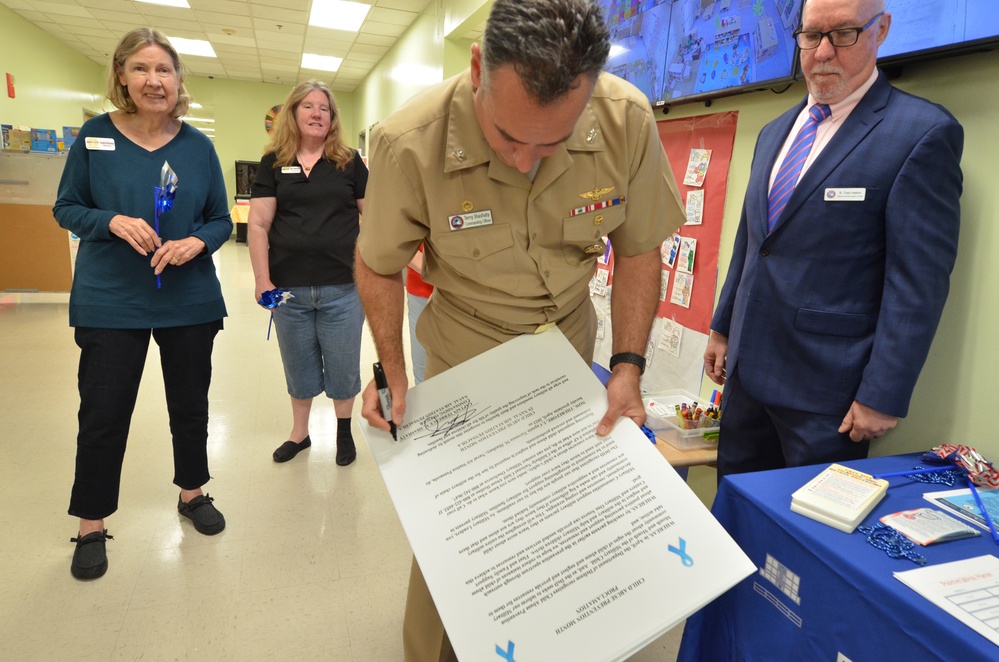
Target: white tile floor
(313, 564)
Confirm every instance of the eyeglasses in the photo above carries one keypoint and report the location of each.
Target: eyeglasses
(840, 38)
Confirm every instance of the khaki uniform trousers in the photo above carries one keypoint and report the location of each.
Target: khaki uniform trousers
(423, 635)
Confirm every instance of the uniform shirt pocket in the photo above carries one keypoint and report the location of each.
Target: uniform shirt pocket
(582, 235)
(484, 254)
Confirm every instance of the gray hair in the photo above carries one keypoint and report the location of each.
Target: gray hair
(130, 44)
(550, 43)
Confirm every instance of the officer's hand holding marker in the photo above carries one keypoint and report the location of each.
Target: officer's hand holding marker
(385, 398)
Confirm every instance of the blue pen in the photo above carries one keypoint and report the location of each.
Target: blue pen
(981, 507)
(384, 397)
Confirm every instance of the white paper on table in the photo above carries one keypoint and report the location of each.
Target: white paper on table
(538, 539)
(968, 590)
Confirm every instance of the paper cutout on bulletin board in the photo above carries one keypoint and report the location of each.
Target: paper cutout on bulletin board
(695, 207)
(683, 288)
(697, 167)
(598, 284)
(670, 249)
(685, 259)
(671, 336)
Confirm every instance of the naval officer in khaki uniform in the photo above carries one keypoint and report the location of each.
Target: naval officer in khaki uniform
(510, 174)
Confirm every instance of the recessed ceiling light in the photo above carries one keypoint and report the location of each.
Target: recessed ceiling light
(321, 62)
(168, 3)
(192, 46)
(338, 14)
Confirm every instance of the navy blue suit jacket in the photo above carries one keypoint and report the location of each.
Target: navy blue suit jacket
(840, 302)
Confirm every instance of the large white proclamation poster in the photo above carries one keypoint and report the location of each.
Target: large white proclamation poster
(539, 540)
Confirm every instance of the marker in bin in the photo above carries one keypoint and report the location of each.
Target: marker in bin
(385, 398)
(692, 417)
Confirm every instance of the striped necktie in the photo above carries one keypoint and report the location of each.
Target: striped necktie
(790, 169)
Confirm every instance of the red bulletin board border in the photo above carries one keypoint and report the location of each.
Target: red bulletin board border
(717, 133)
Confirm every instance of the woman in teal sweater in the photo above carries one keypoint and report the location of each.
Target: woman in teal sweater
(133, 280)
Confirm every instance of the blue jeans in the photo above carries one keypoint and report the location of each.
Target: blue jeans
(319, 333)
(419, 354)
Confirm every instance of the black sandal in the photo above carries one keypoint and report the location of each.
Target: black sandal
(289, 449)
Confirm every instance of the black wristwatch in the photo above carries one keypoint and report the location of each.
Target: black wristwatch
(629, 357)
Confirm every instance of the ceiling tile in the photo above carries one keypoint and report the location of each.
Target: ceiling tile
(233, 21)
(386, 29)
(279, 14)
(393, 16)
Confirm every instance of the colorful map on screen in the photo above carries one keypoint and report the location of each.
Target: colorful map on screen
(682, 49)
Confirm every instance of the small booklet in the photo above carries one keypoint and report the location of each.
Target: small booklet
(925, 526)
(962, 503)
(840, 497)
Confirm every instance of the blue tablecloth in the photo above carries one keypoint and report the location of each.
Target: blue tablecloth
(820, 592)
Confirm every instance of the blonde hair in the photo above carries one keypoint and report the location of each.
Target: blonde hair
(132, 42)
(287, 138)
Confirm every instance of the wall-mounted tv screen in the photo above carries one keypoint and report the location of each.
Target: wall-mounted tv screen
(921, 29)
(686, 50)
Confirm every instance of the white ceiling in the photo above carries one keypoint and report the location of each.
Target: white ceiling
(254, 40)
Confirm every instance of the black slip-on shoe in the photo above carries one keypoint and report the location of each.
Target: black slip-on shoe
(289, 449)
(206, 517)
(90, 560)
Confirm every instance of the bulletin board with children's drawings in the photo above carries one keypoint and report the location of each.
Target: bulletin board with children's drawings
(699, 151)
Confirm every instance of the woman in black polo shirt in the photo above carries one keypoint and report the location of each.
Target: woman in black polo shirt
(304, 220)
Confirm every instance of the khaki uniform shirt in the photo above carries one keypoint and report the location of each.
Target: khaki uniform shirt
(499, 248)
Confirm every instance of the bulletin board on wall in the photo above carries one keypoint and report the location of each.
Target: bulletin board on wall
(699, 151)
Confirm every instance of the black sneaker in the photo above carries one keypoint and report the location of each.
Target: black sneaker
(90, 560)
(206, 517)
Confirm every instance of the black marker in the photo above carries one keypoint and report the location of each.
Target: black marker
(384, 397)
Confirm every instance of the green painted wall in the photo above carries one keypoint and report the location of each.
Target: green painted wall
(54, 82)
(413, 64)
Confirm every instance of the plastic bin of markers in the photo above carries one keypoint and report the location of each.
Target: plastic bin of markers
(699, 437)
(660, 409)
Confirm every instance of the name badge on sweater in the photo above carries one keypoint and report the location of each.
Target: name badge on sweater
(845, 194)
(100, 144)
(291, 170)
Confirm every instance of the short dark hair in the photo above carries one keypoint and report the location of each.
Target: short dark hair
(550, 43)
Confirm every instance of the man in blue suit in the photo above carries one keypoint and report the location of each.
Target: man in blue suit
(837, 283)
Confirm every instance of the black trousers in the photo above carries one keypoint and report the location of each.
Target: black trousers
(755, 436)
(111, 364)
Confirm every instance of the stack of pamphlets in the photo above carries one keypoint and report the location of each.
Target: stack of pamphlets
(925, 526)
(839, 496)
